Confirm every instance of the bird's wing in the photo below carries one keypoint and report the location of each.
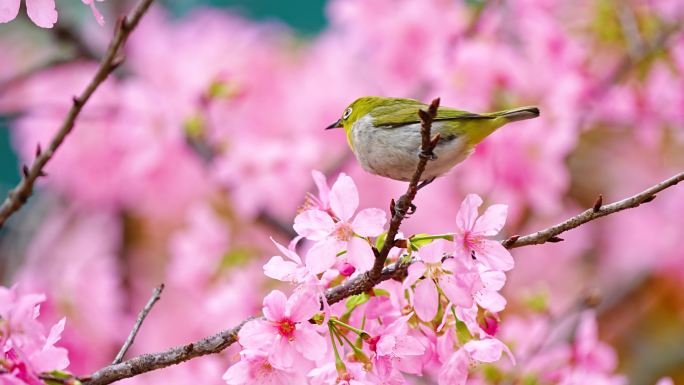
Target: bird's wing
(400, 114)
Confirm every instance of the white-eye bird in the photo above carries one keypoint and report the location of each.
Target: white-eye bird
(384, 134)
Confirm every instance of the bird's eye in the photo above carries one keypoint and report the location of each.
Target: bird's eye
(347, 112)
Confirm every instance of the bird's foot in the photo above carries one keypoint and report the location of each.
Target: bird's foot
(411, 210)
(425, 183)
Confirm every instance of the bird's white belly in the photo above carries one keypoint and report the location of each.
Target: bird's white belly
(393, 152)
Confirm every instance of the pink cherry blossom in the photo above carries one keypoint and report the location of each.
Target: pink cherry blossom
(455, 369)
(590, 353)
(283, 270)
(42, 12)
(471, 232)
(458, 279)
(395, 348)
(335, 231)
(255, 368)
(322, 201)
(286, 333)
(25, 350)
(294, 271)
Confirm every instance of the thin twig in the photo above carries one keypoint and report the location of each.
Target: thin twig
(148, 362)
(404, 203)
(156, 295)
(112, 59)
(218, 342)
(545, 235)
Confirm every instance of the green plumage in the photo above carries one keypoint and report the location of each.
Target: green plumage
(394, 119)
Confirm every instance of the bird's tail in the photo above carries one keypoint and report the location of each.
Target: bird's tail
(515, 114)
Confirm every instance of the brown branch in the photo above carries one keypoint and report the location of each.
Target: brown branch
(218, 342)
(545, 235)
(112, 58)
(156, 295)
(148, 362)
(404, 203)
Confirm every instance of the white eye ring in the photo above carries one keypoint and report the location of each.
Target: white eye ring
(347, 112)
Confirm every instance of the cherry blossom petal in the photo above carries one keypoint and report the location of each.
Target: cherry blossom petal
(282, 354)
(51, 358)
(493, 255)
(322, 255)
(323, 189)
(492, 221)
(487, 350)
(457, 289)
(454, 371)
(291, 254)
(42, 12)
(425, 300)
(279, 269)
(9, 9)
(314, 224)
(256, 334)
(55, 332)
(434, 251)
(359, 254)
(302, 305)
(369, 222)
(465, 219)
(461, 251)
(275, 304)
(344, 197)
(493, 279)
(308, 342)
(237, 374)
(490, 300)
(415, 271)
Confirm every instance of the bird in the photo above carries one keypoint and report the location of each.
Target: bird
(384, 134)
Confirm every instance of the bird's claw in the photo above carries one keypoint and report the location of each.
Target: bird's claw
(425, 183)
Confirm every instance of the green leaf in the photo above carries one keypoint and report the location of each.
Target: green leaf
(462, 332)
(380, 241)
(356, 300)
(420, 240)
(60, 374)
(352, 303)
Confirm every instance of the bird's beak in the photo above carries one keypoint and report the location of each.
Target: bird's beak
(337, 124)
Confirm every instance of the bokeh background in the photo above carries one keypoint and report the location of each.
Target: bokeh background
(201, 146)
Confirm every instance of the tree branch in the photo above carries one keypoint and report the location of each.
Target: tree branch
(156, 295)
(111, 60)
(598, 211)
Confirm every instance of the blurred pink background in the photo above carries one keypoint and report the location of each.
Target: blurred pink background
(201, 147)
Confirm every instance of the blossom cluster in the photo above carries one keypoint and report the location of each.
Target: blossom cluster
(25, 350)
(440, 320)
(42, 13)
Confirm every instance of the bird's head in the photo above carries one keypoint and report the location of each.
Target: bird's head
(359, 108)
